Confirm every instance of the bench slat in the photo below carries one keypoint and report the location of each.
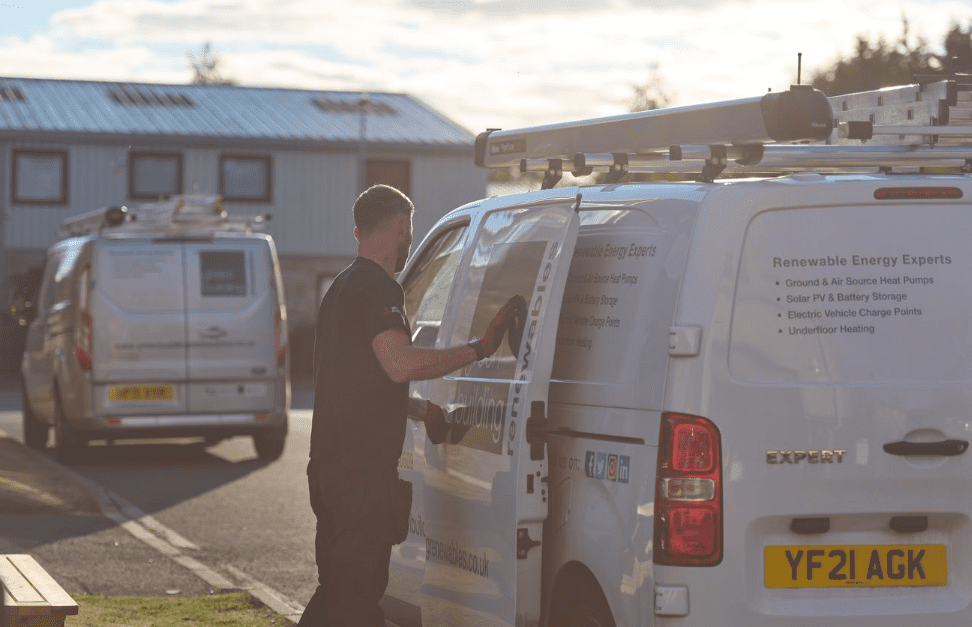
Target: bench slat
(31, 589)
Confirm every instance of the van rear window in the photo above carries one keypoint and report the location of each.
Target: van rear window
(222, 273)
(875, 294)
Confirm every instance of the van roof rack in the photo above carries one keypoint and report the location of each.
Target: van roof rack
(178, 215)
(928, 124)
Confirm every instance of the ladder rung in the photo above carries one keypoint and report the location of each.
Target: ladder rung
(945, 131)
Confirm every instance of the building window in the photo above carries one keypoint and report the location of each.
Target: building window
(39, 177)
(394, 172)
(245, 178)
(154, 175)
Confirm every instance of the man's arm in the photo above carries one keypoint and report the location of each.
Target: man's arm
(403, 362)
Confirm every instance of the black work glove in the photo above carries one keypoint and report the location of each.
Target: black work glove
(506, 318)
(435, 423)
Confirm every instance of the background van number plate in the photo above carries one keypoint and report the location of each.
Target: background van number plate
(857, 566)
(140, 393)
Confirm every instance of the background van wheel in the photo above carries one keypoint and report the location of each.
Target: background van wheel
(68, 442)
(269, 444)
(35, 431)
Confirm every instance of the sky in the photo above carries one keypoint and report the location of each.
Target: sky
(483, 63)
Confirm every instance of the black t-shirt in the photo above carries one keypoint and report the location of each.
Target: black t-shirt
(359, 413)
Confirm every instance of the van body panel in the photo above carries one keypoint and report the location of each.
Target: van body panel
(37, 363)
(807, 381)
(601, 509)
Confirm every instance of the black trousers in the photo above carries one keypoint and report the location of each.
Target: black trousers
(353, 545)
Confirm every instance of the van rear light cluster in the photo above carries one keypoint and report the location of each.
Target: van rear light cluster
(84, 331)
(688, 492)
(281, 339)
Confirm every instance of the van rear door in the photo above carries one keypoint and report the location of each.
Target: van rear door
(230, 310)
(139, 325)
(485, 491)
(845, 416)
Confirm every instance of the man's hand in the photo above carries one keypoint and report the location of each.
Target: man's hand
(435, 423)
(504, 319)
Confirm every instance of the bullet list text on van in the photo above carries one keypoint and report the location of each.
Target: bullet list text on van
(862, 260)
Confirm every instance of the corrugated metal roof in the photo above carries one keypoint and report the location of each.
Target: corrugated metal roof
(219, 112)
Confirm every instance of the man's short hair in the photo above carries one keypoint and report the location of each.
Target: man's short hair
(378, 205)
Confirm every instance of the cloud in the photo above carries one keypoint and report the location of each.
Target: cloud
(482, 62)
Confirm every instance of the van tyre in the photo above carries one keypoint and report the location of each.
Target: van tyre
(68, 442)
(583, 606)
(269, 444)
(35, 431)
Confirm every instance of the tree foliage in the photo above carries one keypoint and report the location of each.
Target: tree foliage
(206, 66)
(651, 95)
(874, 65)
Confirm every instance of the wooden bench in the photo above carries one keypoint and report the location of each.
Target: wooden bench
(32, 597)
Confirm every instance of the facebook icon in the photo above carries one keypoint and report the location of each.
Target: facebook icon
(589, 464)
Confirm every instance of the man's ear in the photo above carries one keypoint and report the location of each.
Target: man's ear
(357, 235)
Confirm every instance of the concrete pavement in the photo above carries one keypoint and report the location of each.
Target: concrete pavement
(48, 512)
(93, 541)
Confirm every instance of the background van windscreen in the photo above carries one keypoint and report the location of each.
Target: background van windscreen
(877, 294)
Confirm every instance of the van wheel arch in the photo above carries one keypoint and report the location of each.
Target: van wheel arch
(578, 600)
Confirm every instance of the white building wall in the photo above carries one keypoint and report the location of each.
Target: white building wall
(442, 183)
(311, 201)
(313, 193)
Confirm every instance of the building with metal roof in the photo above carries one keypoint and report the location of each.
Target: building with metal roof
(70, 146)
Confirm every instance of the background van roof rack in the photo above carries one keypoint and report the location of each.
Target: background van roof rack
(178, 215)
(913, 126)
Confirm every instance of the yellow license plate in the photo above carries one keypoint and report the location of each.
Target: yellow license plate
(855, 566)
(135, 393)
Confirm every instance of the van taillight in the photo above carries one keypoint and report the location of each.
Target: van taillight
(688, 492)
(85, 327)
(281, 339)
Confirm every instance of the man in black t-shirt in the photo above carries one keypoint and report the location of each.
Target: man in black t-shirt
(363, 361)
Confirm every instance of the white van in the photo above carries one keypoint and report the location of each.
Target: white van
(735, 402)
(165, 322)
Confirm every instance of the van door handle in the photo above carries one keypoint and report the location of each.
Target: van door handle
(945, 447)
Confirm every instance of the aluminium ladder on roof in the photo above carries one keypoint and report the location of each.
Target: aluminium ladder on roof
(801, 113)
(907, 127)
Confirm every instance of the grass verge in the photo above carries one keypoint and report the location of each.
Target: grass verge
(236, 609)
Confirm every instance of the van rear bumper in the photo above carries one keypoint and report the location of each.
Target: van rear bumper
(178, 425)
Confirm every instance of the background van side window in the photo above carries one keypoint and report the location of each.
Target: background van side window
(48, 284)
(427, 286)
